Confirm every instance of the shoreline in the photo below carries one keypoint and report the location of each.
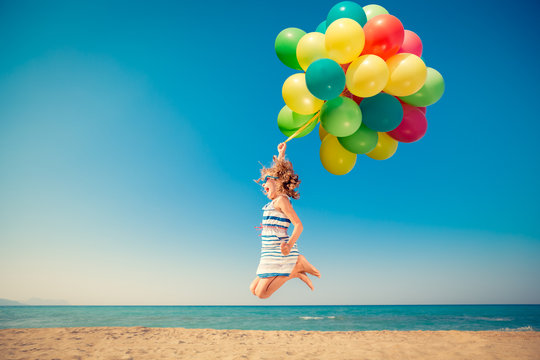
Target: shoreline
(526, 329)
(139, 342)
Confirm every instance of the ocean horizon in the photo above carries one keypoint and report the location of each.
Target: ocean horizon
(474, 317)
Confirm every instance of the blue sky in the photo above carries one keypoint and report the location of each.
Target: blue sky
(130, 133)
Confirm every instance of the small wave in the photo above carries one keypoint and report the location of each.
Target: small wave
(493, 319)
(523, 328)
(316, 317)
(485, 318)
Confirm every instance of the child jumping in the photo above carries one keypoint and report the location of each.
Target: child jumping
(280, 260)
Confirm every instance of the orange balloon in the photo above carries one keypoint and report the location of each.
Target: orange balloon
(322, 132)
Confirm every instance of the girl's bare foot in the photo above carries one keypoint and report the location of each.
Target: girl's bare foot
(302, 276)
(305, 266)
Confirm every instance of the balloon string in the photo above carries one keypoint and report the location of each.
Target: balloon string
(316, 116)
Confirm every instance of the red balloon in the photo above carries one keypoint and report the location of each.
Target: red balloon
(345, 67)
(411, 44)
(384, 36)
(413, 126)
(423, 109)
(348, 94)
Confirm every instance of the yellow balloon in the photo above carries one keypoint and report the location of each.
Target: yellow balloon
(408, 74)
(322, 132)
(335, 159)
(310, 48)
(367, 76)
(297, 96)
(344, 40)
(385, 148)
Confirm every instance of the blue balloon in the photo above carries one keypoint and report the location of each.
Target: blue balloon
(382, 112)
(325, 79)
(322, 27)
(347, 9)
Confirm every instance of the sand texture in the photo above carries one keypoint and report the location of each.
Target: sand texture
(178, 343)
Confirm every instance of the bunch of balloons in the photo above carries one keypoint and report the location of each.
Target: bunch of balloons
(363, 78)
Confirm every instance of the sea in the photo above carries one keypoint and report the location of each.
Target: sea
(308, 318)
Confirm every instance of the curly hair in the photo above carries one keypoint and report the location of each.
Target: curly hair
(287, 180)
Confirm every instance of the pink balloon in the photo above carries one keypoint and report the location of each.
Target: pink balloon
(423, 109)
(413, 126)
(411, 44)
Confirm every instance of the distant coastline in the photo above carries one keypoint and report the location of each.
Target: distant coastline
(32, 302)
(53, 302)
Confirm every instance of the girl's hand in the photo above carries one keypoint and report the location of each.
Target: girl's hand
(285, 248)
(281, 148)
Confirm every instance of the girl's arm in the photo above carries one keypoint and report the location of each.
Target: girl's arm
(284, 205)
(281, 150)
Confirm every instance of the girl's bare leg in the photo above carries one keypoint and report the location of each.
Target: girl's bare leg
(264, 287)
(302, 265)
(254, 284)
(267, 286)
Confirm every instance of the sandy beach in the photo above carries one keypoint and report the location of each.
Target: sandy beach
(180, 343)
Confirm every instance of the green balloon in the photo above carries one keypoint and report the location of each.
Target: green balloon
(289, 122)
(341, 116)
(428, 94)
(362, 141)
(303, 132)
(285, 46)
(374, 10)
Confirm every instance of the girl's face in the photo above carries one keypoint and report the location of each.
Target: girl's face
(270, 187)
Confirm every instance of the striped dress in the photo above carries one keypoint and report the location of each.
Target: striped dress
(274, 231)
